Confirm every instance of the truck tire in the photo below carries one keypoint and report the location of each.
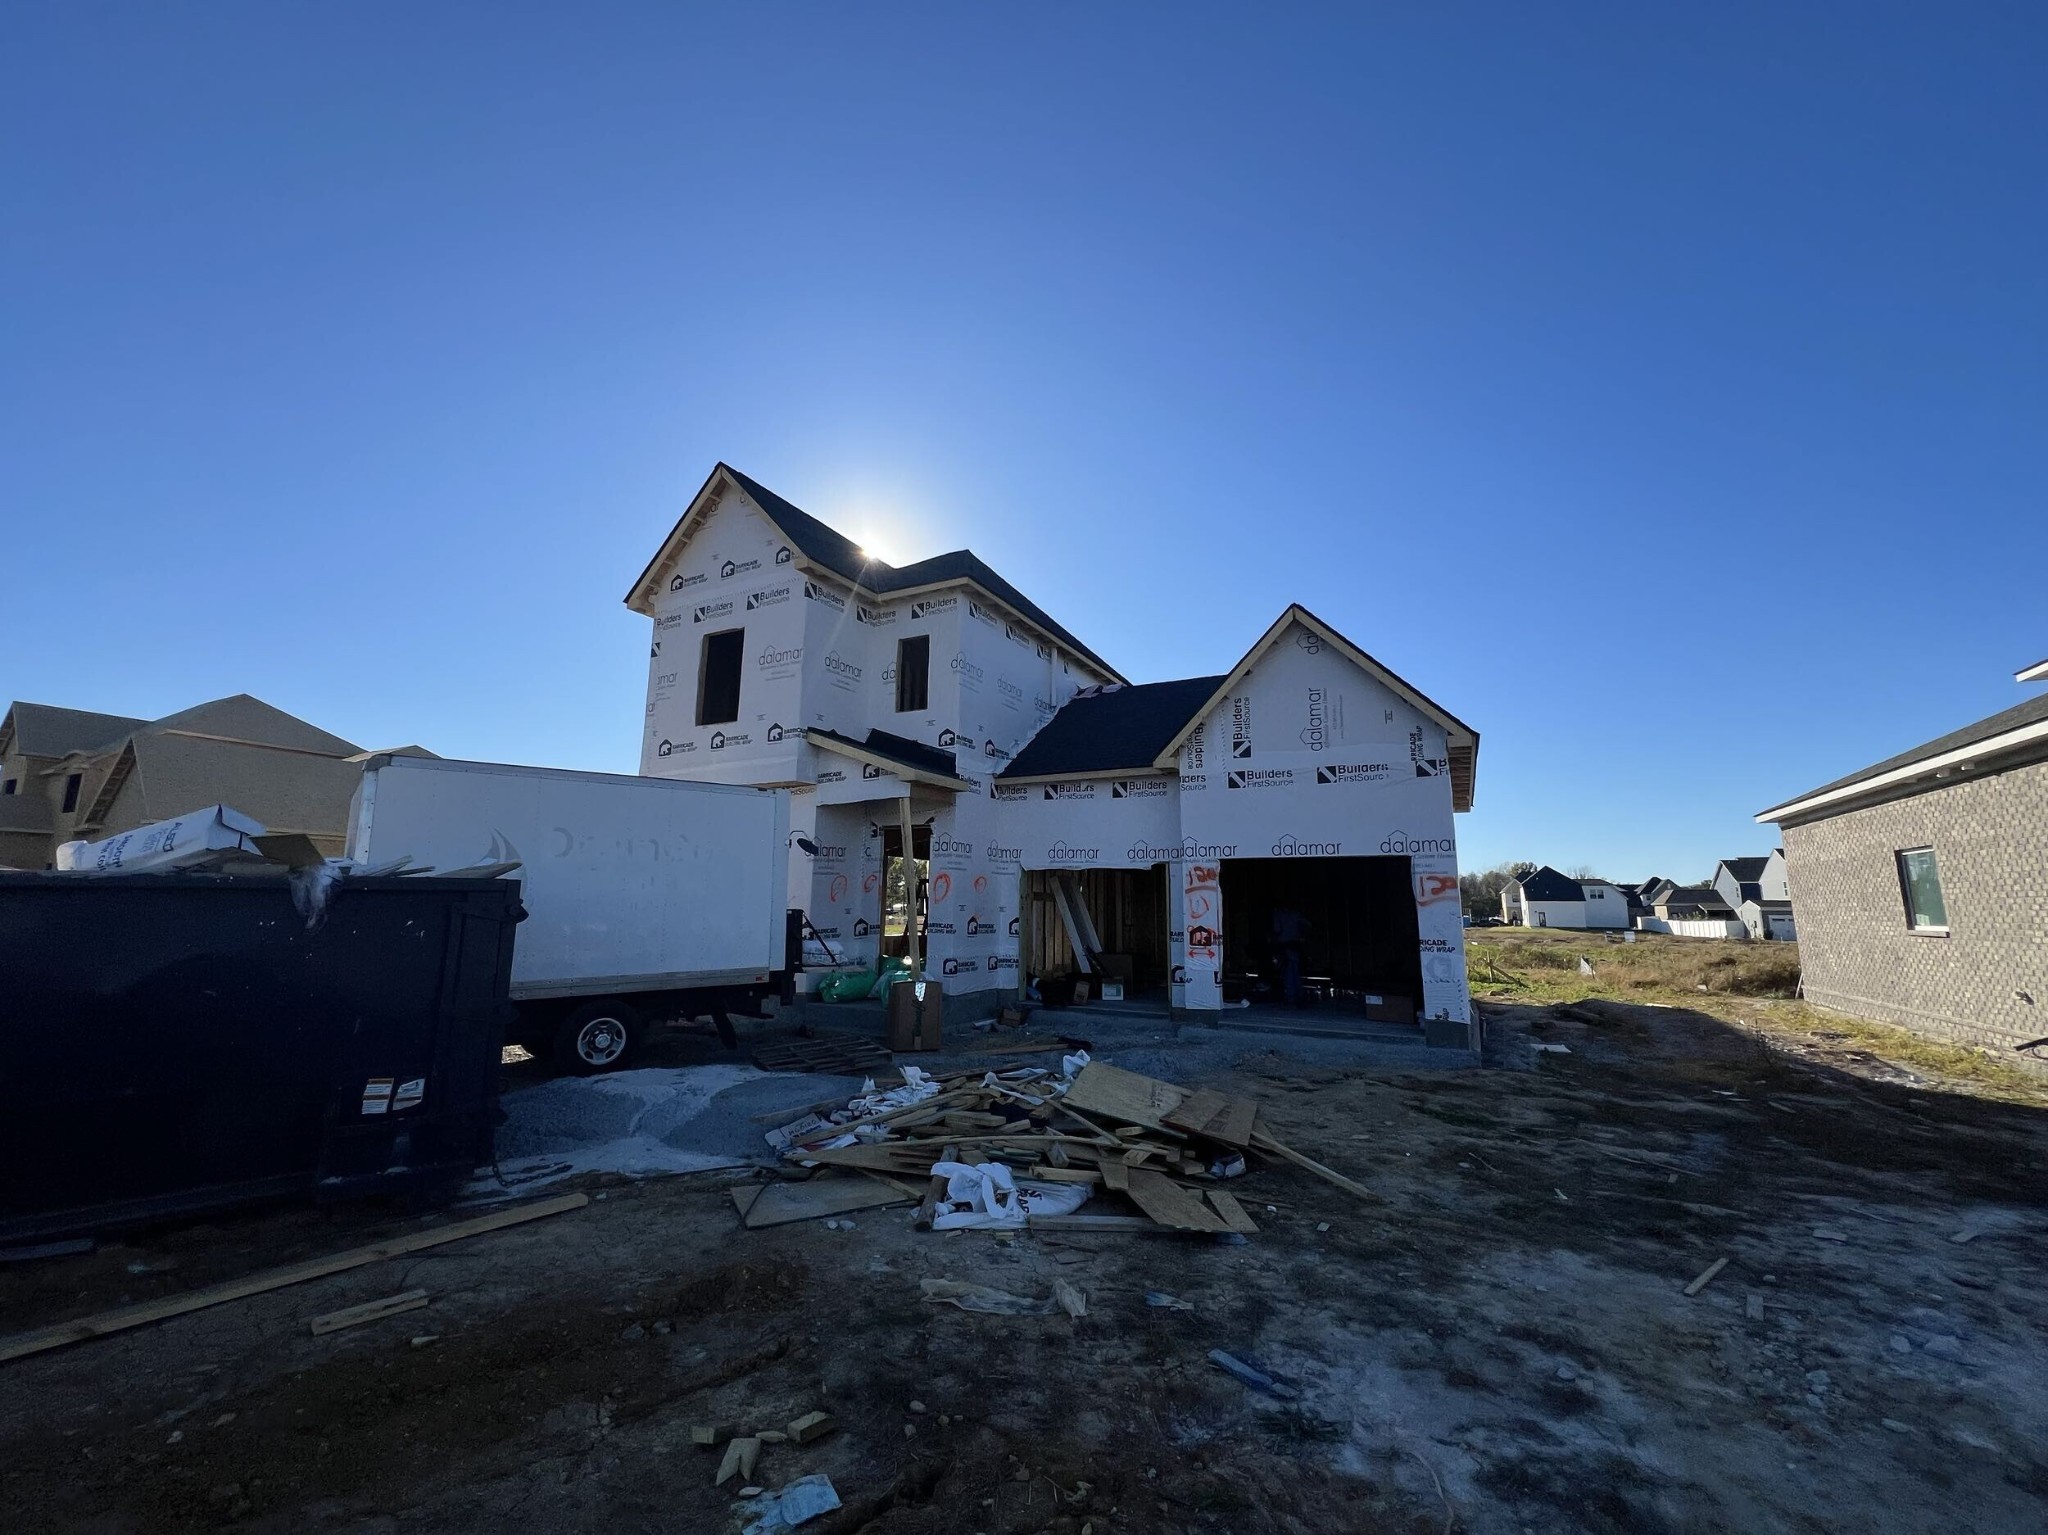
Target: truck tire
(596, 1037)
(728, 1036)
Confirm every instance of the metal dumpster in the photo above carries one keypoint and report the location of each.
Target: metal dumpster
(171, 1043)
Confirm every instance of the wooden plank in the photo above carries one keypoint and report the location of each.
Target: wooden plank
(1114, 1093)
(1232, 1212)
(780, 1203)
(1063, 1175)
(370, 1311)
(1265, 1142)
(1236, 1125)
(887, 1157)
(1170, 1204)
(99, 1325)
(1116, 1175)
(1195, 1112)
(1706, 1278)
(1115, 1223)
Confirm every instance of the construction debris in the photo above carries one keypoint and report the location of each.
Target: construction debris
(812, 1425)
(1027, 1146)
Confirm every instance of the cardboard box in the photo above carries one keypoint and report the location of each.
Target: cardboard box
(1389, 1008)
(1083, 989)
(914, 1020)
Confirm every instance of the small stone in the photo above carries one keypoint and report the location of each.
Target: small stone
(425, 1338)
(176, 1435)
(944, 1420)
(1023, 1474)
(917, 1407)
(633, 1334)
(1894, 1425)
(1322, 1225)
(910, 1431)
(664, 1328)
(1818, 1380)
(751, 1492)
(1944, 1346)
(222, 1421)
(1901, 1344)
(1816, 1401)
(1567, 1372)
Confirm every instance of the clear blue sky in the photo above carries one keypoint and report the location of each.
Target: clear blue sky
(1662, 389)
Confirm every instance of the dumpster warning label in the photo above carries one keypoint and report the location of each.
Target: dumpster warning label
(377, 1095)
(409, 1094)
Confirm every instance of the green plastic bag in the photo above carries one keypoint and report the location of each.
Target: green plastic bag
(846, 986)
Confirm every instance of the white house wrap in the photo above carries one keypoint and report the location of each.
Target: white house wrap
(1066, 819)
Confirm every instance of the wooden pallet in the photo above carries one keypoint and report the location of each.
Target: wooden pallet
(829, 1057)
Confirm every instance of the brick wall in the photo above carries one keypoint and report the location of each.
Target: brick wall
(1857, 955)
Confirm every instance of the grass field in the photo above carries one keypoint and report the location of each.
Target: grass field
(1755, 984)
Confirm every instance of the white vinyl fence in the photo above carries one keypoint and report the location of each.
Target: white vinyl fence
(1689, 927)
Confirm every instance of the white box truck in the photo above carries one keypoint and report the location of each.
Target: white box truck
(647, 899)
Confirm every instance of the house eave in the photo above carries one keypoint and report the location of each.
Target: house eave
(2021, 745)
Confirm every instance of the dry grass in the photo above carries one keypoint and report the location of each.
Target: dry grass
(1543, 966)
(1753, 984)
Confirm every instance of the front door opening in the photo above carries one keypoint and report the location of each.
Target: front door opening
(1351, 920)
(905, 891)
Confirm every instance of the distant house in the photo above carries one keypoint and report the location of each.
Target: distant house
(1923, 882)
(70, 774)
(1692, 903)
(1549, 898)
(1757, 891)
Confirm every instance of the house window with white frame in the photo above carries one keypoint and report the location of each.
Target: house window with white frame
(1920, 883)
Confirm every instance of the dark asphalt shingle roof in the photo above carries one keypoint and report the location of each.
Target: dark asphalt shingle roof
(913, 754)
(1547, 884)
(1747, 871)
(1120, 728)
(2031, 712)
(839, 554)
(1706, 897)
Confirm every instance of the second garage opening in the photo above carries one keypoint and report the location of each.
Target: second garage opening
(1347, 923)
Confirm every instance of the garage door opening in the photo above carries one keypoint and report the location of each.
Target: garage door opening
(1354, 919)
(1129, 912)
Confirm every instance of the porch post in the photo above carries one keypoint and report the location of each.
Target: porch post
(911, 934)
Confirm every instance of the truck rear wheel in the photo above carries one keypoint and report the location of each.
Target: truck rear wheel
(728, 1036)
(598, 1036)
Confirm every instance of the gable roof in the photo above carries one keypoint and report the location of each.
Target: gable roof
(1706, 897)
(1461, 738)
(1118, 729)
(45, 730)
(835, 552)
(1747, 871)
(1548, 884)
(2020, 727)
(244, 717)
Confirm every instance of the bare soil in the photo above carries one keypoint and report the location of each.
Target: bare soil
(1502, 1345)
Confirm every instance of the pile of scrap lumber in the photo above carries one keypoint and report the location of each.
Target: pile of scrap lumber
(1160, 1155)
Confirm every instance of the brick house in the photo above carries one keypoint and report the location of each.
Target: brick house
(1922, 882)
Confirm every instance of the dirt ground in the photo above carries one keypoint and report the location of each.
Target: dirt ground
(1503, 1344)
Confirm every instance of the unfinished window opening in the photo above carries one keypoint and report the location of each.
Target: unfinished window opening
(8, 788)
(1920, 881)
(718, 677)
(71, 786)
(913, 673)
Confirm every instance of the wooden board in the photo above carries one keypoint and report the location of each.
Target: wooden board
(1171, 1205)
(1195, 1112)
(370, 1311)
(1265, 1142)
(842, 1057)
(98, 1326)
(1116, 1175)
(1115, 1223)
(1237, 1124)
(1232, 1212)
(1114, 1093)
(777, 1204)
